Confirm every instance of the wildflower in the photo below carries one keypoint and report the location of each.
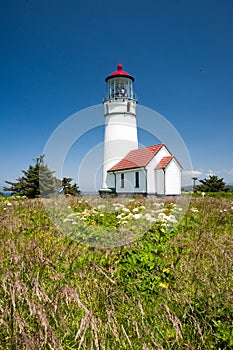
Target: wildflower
(161, 216)
(172, 219)
(194, 210)
(101, 214)
(67, 219)
(101, 207)
(148, 217)
(9, 204)
(126, 210)
(74, 223)
(135, 210)
(166, 270)
(137, 216)
(124, 222)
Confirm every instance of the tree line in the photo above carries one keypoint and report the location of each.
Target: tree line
(39, 181)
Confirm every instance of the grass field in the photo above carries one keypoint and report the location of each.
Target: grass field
(170, 288)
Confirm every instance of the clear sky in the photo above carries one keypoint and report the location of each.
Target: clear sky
(55, 56)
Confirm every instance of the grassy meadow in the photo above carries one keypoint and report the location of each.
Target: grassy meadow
(168, 288)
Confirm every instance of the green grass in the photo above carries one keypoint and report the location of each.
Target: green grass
(169, 289)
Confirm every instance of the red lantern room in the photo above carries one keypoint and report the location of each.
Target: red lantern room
(119, 84)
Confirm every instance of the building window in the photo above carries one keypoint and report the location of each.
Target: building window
(128, 107)
(122, 180)
(137, 179)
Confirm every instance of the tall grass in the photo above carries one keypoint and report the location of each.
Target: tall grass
(165, 291)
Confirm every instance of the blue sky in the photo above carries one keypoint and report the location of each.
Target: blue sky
(55, 56)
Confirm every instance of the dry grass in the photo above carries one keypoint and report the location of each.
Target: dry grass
(58, 294)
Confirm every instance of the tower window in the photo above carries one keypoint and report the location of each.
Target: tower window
(122, 180)
(128, 107)
(137, 179)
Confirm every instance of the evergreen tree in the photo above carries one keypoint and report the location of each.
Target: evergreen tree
(213, 184)
(68, 188)
(37, 181)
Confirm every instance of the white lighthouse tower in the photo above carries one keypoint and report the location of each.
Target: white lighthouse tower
(120, 123)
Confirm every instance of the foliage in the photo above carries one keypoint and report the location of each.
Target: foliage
(170, 289)
(213, 184)
(68, 188)
(37, 180)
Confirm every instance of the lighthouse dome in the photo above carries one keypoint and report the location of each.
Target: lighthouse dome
(119, 73)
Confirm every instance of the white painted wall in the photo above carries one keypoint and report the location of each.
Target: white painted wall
(151, 184)
(110, 180)
(173, 179)
(129, 182)
(120, 132)
(159, 178)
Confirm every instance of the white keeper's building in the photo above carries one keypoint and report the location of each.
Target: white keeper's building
(127, 169)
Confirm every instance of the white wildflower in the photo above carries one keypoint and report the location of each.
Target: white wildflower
(67, 219)
(137, 216)
(101, 214)
(194, 210)
(148, 217)
(101, 207)
(126, 210)
(118, 205)
(162, 216)
(172, 219)
(135, 210)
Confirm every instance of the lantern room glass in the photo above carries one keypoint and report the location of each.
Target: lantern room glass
(119, 87)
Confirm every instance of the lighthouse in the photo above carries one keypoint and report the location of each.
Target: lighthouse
(120, 135)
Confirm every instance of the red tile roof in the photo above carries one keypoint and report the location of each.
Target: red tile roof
(164, 162)
(137, 158)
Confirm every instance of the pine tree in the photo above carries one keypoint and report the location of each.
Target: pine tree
(37, 181)
(213, 184)
(68, 188)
